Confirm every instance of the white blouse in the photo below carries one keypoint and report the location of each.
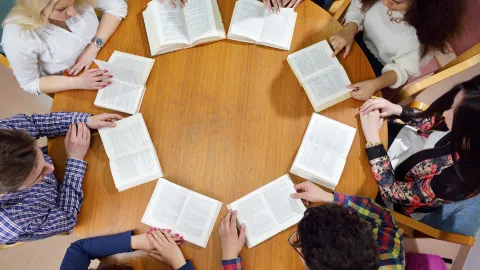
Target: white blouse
(52, 49)
(395, 45)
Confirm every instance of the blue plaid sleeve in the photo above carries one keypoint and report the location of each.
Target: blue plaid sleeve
(41, 125)
(63, 218)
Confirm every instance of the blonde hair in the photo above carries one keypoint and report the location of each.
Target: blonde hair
(29, 13)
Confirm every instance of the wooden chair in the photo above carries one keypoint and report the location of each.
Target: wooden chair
(4, 61)
(468, 59)
(416, 228)
(338, 9)
(10, 246)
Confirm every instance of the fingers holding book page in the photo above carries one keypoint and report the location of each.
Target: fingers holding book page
(268, 210)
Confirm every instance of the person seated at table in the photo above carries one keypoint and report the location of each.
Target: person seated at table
(275, 5)
(398, 37)
(160, 244)
(32, 203)
(434, 157)
(42, 39)
(330, 236)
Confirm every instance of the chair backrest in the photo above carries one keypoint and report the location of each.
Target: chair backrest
(338, 9)
(411, 227)
(4, 61)
(468, 59)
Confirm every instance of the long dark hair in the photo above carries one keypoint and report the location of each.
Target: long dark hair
(465, 131)
(436, 21)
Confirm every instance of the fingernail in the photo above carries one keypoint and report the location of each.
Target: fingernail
(243, 225)
(181, 237)
(109, 83)
(169, 230)
(176, 234)
(110, 76)
(155, 229)
(148, 232)
(105, 71)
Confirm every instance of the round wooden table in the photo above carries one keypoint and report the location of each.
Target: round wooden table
(226, 118)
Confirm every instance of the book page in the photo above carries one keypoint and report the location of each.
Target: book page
(287, 211)
(312, 59)
(141, 65)
(268, 210)
(120, 96)
(166, 205)
(247, 20)
(199, 19)
(198, 218)
(324, 148)
(129, 136)
(326, 85)
(170, 23)
(277, 28)
(121, 73)
(136, 168)
(188, 213)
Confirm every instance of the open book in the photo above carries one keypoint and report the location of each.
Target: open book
(130, 73)
(170, 29)
(253, 23)
(323, 77)
(133, 159)
(268, 210)
(323, 152)
(186, 212)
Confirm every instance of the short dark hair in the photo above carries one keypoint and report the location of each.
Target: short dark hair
(332, 237)
(18, 157)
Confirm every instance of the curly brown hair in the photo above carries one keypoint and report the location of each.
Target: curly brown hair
(436, 21)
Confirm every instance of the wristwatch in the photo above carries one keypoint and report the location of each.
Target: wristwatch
(98, 42)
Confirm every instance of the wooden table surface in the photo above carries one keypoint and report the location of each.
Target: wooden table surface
(226, 118)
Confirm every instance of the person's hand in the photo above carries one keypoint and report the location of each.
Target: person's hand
(363, 90)
(103, 120)
(371, 124)
(77, 140)
(141, 242)
(232, 242)
(273, 5)
(172, 2)
(385, 107)
(85, 60)
(92, 79)
(341, 40)
(167, 250)
(309, 192)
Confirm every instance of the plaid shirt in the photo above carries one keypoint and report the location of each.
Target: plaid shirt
(387, 234)
(46, 208)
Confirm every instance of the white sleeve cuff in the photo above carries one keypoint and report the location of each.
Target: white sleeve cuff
(402, 75)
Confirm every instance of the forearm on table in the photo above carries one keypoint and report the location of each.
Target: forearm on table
(57, 83)
(108, 25)
(351, 28)
(71, 191)
(386, 79)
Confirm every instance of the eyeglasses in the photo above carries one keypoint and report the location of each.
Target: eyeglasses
(294, 243)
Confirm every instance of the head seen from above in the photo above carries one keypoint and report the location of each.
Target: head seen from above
(436, 22)
(33, 14)
(460, 108)
(330, 237)
(22, 164)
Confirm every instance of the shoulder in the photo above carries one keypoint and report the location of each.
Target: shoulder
(14, 36)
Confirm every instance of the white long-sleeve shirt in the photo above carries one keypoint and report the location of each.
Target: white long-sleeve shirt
(52, 49)
(395, 45)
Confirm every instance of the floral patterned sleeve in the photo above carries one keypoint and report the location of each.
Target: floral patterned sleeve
(408, 116)
(412, 194)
